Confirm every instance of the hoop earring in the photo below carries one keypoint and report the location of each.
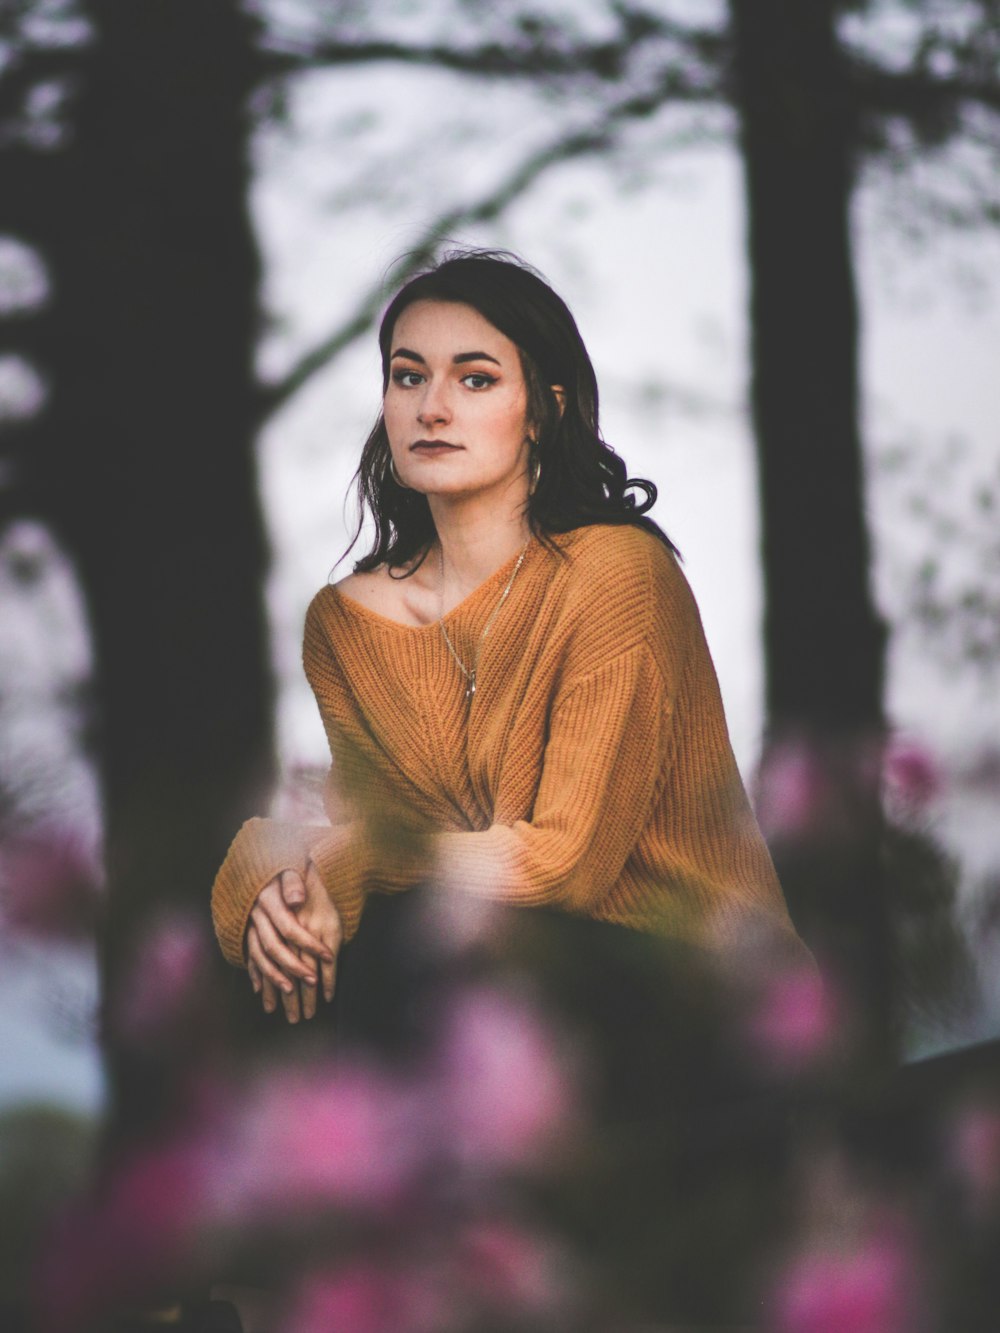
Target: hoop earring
(534, 472)
(396, 477)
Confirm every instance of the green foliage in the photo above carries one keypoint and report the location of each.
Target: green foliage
(45, 1158)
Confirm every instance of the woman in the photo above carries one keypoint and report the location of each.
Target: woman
(515, 684)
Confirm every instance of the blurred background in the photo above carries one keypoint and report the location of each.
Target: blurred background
(778, 227)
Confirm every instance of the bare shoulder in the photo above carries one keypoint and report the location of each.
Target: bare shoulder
(375, 590)
(402, 598)
(363, 588)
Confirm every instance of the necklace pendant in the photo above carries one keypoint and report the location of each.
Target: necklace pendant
(470, 676)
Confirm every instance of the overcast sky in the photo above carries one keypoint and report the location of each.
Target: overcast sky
(651, 261)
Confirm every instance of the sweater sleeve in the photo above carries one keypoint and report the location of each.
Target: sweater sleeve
(262, 849)
(608, 749)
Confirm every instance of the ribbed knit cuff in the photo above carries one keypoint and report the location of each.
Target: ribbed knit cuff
(261, 850)
(342, 856)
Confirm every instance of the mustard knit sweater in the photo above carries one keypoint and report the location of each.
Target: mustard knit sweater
(591, 771)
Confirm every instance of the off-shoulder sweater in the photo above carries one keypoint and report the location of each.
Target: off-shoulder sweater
(592, 770)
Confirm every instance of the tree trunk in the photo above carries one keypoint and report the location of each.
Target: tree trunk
(823, 639)
(146, 463)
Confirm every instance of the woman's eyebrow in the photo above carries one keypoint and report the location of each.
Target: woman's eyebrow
(459, 360)
(462, 357)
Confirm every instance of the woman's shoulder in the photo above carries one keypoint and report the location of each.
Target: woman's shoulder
(373, 590)
(621, 557)
(626, 586)
(368, 589)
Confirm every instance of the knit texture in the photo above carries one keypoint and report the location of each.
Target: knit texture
(592, 770)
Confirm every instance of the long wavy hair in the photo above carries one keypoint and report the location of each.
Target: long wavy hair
(580, 478)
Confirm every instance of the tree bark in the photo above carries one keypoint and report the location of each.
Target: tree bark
(145, 459)
(824, 642)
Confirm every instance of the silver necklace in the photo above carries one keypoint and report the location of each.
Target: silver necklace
(470, 674)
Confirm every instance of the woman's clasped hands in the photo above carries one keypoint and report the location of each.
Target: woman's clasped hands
(292, 940)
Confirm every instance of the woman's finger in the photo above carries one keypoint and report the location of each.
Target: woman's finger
(290, 1001)
(287, 924)
(328, 928)
(309, 997)
(293, 891)
(269, 970)
(328, 977)
(268, 995)
(253, 969)
(280, 952)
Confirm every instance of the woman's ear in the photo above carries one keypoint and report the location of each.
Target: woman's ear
(559, 393)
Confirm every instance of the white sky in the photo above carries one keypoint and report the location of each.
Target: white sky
(656, 277)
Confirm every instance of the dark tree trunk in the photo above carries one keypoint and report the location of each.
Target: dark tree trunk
(146, 460)
(824, 641)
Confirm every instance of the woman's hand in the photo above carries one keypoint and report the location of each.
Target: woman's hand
(292, 942)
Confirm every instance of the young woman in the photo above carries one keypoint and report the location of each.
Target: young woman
(514, 681)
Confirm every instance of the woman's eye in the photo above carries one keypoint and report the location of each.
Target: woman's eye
(406, 379)
(479, 380)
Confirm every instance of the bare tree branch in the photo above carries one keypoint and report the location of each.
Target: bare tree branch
(917, 94)
(521, 53)
(581, 143)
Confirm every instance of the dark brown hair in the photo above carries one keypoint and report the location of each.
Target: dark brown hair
(581, 480)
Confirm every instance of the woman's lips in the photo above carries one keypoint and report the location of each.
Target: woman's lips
(434, 447)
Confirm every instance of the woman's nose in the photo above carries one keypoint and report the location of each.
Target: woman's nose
(434, 406)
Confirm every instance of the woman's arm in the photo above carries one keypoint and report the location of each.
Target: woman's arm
(609, 745)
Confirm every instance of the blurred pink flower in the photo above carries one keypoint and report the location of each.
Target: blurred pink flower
(505, 1092)
(330, 1138)
(511, 1269)
(868, 1289)
(911, 775)
(135, 1231)
(454, 923)
(168, 971)
(357, 1299)
(974, 1151)
(410, 1296)
(792, 1019)
(300, 795)
(792, 791)
(444, 1281)
(49, 882)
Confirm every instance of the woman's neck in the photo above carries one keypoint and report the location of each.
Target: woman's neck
(475, 541)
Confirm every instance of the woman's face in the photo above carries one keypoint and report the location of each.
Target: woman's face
(455, 407)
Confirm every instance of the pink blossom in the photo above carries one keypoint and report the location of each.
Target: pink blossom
(974, 1151)
(453, 923)
(357, 1299)
(911, 775)
(792, 1019)
(504, 1088)
(168, 970)
(792, 791)
(49, 882)
(369, 1298)
(867, 1289)
(333, 1137)
(300, 796)
(128, 1236)
(511, 1269)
